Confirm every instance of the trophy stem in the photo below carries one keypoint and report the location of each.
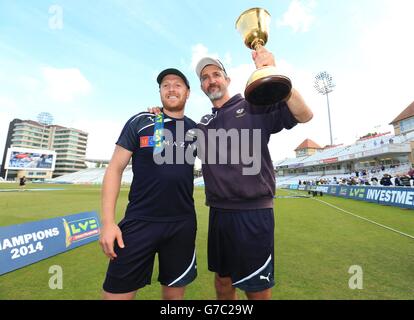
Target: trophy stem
(257, 44)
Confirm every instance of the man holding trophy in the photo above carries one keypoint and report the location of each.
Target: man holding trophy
(241, 225)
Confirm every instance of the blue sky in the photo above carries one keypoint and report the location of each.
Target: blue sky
(93, 64)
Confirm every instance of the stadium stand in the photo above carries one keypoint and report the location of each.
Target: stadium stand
(91, 176)
(361, 161)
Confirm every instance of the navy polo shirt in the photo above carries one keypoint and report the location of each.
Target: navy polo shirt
(158, 192)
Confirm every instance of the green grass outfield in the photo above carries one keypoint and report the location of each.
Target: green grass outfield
(315, 245)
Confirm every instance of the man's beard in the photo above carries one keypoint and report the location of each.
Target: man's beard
(216, 95)
(173, 108)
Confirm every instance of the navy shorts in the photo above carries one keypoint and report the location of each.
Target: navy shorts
(241, 247)
(173, 241)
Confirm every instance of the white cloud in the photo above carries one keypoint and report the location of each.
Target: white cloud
(200, 51)
(239, 76)
(298, 16)
(388, 51)
(64, 85)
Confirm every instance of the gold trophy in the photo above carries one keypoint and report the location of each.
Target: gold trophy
(265, 85)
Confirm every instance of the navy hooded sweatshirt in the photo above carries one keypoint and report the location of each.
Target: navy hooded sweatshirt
(228, 182)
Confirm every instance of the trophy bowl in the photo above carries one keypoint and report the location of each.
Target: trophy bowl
(265, 86)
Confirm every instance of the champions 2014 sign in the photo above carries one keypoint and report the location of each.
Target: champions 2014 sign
(25, 244)
(395, 196)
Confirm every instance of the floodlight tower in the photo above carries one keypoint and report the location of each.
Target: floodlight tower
(324, 85)
(45, 119)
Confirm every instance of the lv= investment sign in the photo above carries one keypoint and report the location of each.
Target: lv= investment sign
(25, 244)
(402, 197)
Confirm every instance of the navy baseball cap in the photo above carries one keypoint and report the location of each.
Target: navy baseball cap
(176, 72)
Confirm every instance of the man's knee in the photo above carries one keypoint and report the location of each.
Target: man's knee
(225, 289)
(223, 282)
(262, 295)
(119, 296)
(169, 293)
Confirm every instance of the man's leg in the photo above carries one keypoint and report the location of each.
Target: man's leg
(256, 251)
(262, 295)
(121, 296)
(169, 293)
(177, 258)
(224, 288)
(132, 269)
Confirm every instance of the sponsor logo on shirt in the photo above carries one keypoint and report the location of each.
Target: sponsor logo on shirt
(240, 113)
(149, 142)
(146, 142)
